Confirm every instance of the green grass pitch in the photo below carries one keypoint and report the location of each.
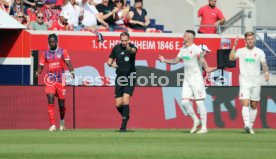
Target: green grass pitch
(137, 144)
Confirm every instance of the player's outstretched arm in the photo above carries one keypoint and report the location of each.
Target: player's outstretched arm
(232, 56)
(168, 61)
(71, 68)
(132, 50)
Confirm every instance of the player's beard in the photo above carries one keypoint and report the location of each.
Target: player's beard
(124, 46)
(250, 47)
(212, 6)
(53, 48)
(185, 42)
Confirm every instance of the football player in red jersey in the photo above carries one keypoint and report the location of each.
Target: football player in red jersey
(55, 59)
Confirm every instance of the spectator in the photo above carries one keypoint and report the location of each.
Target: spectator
(108, 12)
(30, 3)
(75, 13)
(91, 15)
(122, 13)
(39, 7)
(59, 3)
(18, 6)
(113, 2)
(51, 13)
(62, 23)
(21, 18)
(39, 24)
(5, 5)
(211, 16)
(96, 2)
(138, 18)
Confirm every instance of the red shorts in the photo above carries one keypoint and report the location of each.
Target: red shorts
(57, 89)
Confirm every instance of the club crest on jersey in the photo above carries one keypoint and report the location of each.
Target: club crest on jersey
(59, 56)
(126, 59)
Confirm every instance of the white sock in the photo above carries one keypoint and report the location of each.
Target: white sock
(203, 113)
(187, 104)
(245, 115)
(252, 116)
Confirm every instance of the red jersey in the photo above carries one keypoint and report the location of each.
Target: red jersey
(209, 16)
(51, 14)
(55, 62)
(57, 26)
(59, 2)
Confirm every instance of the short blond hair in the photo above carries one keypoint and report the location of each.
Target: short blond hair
(250, 33)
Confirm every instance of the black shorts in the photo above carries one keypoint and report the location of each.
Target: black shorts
(124, 84)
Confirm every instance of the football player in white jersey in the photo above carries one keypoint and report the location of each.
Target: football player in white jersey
(193, 85)
(250, 59)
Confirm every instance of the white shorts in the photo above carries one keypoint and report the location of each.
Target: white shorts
(250, 92)
(192, 91)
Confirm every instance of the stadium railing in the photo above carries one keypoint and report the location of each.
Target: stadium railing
(266, 40)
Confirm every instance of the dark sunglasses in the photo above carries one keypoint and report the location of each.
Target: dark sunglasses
(40, 17)
(118, 2)
(20, 17)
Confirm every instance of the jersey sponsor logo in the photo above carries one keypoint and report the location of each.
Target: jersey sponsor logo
(186, 58)
(250, 60)
(54, 64)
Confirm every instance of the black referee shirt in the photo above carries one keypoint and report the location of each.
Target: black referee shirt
(124, 59)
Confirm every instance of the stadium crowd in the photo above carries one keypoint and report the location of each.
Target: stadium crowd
(80, 15)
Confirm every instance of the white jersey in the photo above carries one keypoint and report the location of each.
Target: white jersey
(74, 13)
(250, 61)
(192, 65)
(89, 16)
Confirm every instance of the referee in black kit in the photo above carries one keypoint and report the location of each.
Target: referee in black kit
(124, 54)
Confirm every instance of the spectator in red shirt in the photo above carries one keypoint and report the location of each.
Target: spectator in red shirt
(62, 23)
(211, 16)
(51, 13)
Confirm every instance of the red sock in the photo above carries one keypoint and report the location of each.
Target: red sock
(62, 112)
(51, 113)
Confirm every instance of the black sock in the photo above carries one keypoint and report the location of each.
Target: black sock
(120, 109)
(125, 117)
